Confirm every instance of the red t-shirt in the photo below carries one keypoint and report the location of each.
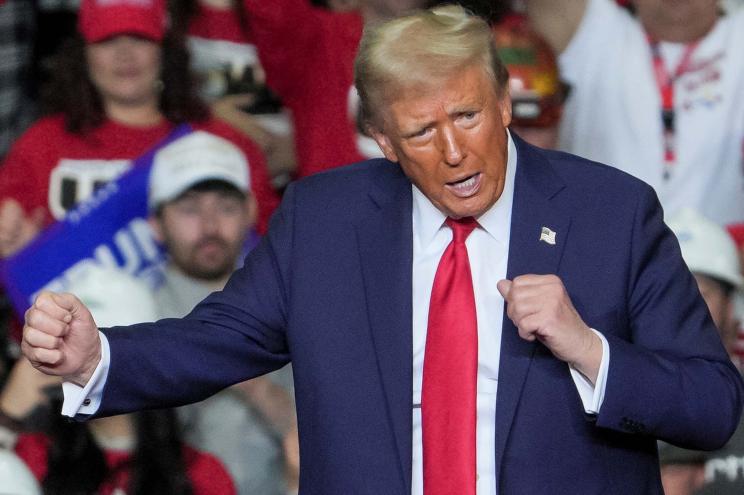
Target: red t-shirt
(55, 169)
(308, 56)
(207, 475)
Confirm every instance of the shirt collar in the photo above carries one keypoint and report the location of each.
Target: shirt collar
(427, 219)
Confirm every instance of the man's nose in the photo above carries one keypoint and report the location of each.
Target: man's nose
(452, 148)
(124, 45)
(209, 221)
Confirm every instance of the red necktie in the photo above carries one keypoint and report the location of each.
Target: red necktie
(448, 395)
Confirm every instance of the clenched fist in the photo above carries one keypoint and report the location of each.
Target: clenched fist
(60, 337)
(540, 308)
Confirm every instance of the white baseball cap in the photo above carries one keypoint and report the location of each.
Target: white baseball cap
(194, 158)
(707, 248)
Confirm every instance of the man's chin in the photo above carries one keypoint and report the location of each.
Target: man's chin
(465, 208)
(208, 273)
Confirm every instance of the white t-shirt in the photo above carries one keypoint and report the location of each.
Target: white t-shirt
(613, 113)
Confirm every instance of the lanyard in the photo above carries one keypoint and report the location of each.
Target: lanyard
(665, 83)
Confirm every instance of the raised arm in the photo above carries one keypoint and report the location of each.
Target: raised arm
(231, 336)
(556, 20)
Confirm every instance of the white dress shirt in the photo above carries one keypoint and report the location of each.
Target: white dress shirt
(488, 254)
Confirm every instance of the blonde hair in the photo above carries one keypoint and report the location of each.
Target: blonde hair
(421, 49)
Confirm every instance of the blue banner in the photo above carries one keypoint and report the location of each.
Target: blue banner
(108, 229)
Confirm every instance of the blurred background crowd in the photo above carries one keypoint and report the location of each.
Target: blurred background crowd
(229, 101)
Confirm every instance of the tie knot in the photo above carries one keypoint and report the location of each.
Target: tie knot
(461, 228)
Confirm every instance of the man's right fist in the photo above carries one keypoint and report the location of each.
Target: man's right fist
(60, 337)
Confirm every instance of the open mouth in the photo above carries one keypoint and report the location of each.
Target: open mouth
(466, 187)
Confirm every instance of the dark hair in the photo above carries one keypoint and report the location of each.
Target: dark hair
(216, 185)
(77, 466)
(71, 92)
(209, 185)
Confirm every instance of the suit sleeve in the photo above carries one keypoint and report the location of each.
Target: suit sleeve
(673, 380)
(231, 336)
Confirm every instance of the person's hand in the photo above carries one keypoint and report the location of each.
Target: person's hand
(16, 228)
(60, 337)
(230, 108)
(541, 309)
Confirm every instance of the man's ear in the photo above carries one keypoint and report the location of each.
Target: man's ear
(384, 143)
(156, 226)
(505, 106)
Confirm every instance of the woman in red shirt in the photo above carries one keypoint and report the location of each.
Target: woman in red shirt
(121, 87)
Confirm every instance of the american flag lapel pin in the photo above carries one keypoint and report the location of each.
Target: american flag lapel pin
(547, 235)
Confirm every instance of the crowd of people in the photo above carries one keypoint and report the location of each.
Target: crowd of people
(229, 101)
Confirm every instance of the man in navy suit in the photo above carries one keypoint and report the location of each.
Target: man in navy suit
(592, 339)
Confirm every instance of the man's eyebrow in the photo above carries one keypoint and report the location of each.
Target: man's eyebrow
(471, 106)
(417, 127)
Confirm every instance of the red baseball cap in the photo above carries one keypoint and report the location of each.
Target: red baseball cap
(102, 19)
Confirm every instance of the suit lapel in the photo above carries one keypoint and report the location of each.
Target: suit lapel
(536, 184)
(386, 250)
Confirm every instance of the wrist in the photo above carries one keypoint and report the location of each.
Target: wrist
(82, 378)
(589, 360)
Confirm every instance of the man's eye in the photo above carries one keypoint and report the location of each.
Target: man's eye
(230, 208)
(421, 132)
(469, 115)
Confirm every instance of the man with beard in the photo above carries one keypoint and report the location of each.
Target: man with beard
(202, 211)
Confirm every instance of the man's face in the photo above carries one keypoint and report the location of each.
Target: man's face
(204, 232)
(450, 140)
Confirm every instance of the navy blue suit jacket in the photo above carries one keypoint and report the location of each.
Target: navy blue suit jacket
(329, 288)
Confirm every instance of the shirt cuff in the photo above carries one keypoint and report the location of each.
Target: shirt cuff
(592, 396)
(86, 400)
